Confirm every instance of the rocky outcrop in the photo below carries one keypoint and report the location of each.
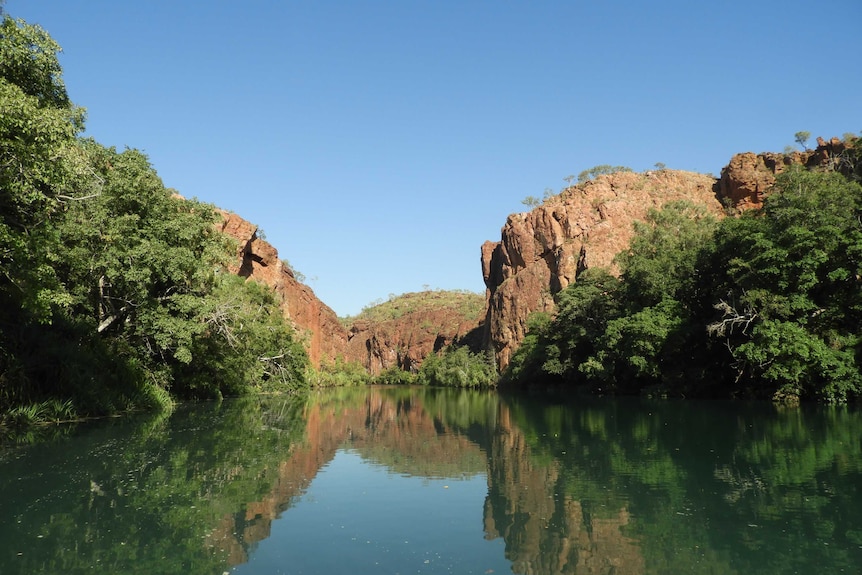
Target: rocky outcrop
(256, 259)
(405, 340)
(542, 251)
(748, 177)
(377, 343)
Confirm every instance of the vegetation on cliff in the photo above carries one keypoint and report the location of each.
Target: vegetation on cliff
(114, 293)
(466, 304)
(764, 305)
(424, 329)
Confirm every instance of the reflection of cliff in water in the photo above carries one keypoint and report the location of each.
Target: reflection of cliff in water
(445, 433)
(547, 531)
(392, 427)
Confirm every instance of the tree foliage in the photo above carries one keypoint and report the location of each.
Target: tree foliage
(458, 367)
(114, 292)
(764, 305)
(795, 270)
(603, 169)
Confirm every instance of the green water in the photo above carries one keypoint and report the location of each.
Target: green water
(396, 480)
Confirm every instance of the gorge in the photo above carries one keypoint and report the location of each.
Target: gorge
(540, 252)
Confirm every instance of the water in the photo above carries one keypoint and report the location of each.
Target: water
(397, 480)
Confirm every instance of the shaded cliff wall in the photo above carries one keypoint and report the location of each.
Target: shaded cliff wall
(542, 251)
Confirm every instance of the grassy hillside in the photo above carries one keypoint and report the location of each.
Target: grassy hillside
(467, 304)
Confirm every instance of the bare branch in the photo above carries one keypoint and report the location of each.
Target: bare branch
(731, 320)
(63, 197)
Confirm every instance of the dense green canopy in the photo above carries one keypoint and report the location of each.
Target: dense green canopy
(767, 304)
(113, 290)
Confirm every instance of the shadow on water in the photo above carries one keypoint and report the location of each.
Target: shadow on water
(574, 485)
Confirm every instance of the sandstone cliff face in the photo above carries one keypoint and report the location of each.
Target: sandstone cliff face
(748, 177)
(256, 259)
(542, 251)
(430, 322)
(406, 341)
(376, 344)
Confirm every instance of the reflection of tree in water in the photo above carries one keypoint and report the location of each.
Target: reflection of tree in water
(713, 487)
(450, 433)
(605, 486)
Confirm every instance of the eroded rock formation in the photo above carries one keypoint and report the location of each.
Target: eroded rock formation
(376, 344)
(747, 178)
(405, 341)
(324, 335)
(542, 251)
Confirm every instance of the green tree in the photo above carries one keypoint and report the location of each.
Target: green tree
(246, 344)
(635, 350)
(525, 365)
(801, 138)
(599, 170)
(554, 348)
(147, 268)
(788, 290)
(662, 258)
(113, 289)
(652, 337)
(458, 367)
(531, 202)
(38, 166)
(137, 258)
(28, 59)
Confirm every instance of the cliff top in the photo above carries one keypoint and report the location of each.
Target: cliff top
(469, 305)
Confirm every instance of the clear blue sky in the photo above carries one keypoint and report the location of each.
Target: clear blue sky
(379, 143)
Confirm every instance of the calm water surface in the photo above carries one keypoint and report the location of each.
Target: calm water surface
(387, 481)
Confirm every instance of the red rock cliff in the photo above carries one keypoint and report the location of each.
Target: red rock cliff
(377, 344)
(748, 177)
(426, 322)
(324, 335)
(407, 341)
(541, 252)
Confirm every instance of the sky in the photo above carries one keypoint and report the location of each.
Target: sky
(379, 143)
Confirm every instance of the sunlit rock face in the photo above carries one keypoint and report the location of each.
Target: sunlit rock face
(541, 252)
(377, 345)
(318, 325)
(748, 177)
(405, 342)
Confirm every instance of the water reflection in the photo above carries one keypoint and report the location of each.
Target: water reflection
(574, 485)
